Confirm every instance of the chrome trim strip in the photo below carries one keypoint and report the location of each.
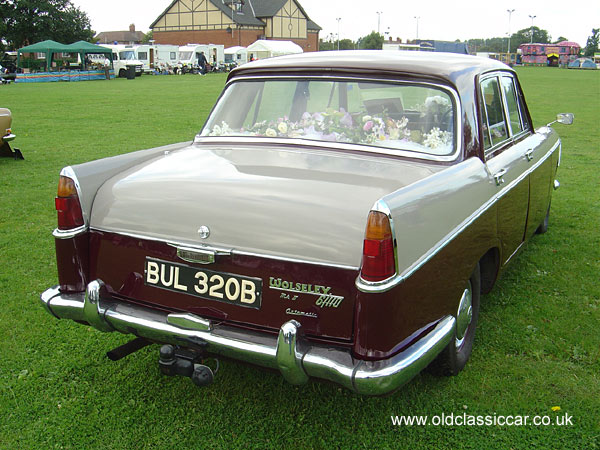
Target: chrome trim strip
(189, 322)
(69, 234)
(458, 126)
(367, 287)
(294, 260)
(296, 358)
(193, 248)
(196, 256)
(225, 251)
(559, 154)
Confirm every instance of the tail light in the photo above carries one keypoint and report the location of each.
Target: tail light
(67, 205)
(379, 262)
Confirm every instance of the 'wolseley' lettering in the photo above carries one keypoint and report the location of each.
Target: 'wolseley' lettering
(278, 283)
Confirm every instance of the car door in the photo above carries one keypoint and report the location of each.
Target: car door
(539, 165)
(506, 148)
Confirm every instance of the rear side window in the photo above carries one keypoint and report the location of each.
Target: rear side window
(494, 127)
(512, 103)
(503, 114)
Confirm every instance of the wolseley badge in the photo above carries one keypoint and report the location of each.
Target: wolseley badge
(203, 232)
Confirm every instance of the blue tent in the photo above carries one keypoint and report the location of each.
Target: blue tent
(582, 63)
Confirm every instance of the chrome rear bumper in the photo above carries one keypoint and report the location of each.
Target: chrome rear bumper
(289, 352)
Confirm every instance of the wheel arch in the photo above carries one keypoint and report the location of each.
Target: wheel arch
(489, 265)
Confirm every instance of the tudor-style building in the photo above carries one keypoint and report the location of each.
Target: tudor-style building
(235, 22)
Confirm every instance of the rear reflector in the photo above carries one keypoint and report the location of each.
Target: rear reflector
(67, 205)
(379, 262)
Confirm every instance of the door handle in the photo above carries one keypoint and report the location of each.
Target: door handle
(499, 177)
(529, 155)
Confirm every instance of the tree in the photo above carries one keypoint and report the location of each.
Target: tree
(524, 37)
(29, 21)
(372, 41)
(493, 45)
(148, 37)
(591, 46)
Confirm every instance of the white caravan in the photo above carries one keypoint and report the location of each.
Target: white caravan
(154, 56)
(189, 54)
(237, 55)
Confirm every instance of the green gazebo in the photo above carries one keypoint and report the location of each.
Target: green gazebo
(50, 47)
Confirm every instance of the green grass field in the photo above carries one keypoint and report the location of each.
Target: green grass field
(537, 345)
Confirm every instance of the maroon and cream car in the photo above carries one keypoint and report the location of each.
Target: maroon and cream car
(337, 218)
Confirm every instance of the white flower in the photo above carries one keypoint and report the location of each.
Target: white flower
(367, 118)
(436, 138)
(436, 100)
(271, 132)
(282, 127)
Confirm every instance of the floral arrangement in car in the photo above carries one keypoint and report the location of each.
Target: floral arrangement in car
(341, 126)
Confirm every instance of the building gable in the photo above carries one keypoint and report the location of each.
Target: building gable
(289, 22)
(188, 15)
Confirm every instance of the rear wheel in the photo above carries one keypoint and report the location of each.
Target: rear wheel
(454, 357)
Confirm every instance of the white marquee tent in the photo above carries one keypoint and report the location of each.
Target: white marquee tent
(262, 49)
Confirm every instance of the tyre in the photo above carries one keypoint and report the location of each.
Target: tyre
(122, 73)
(544, 225)
(456, 354)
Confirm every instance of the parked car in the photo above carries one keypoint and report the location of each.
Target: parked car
(7, 136)
(337, 217)
(8, 67)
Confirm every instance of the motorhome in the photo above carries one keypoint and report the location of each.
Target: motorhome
(123, 57)
(154, 56)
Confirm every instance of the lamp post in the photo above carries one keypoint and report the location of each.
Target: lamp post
(379, 13)
(417, 17)
(509, 11)
(531, 17)
(338, 33)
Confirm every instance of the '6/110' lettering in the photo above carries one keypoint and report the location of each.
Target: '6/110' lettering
(214, 285)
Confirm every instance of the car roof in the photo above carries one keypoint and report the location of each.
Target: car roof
(446, 66)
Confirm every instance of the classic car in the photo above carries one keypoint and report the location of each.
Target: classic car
(338, 217)
(6, 135)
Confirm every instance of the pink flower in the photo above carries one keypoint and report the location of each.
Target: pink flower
(368, 125)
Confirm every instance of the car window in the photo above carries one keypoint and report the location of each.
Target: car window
(495, 123)
(512, 105)
(401, 116)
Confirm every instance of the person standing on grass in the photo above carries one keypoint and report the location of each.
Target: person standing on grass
(107, 67)
(202, 63)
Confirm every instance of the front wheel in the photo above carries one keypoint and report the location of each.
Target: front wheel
(456, 354)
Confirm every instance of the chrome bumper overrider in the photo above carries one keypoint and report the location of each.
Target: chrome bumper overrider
(290, 353)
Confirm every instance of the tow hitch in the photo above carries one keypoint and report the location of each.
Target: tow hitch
(173, 361)
(186, 363)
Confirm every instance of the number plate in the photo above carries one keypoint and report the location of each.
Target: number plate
(207, 284)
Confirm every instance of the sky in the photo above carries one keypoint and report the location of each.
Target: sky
(437, 19)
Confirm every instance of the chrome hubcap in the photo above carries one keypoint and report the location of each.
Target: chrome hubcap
(464, 315)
